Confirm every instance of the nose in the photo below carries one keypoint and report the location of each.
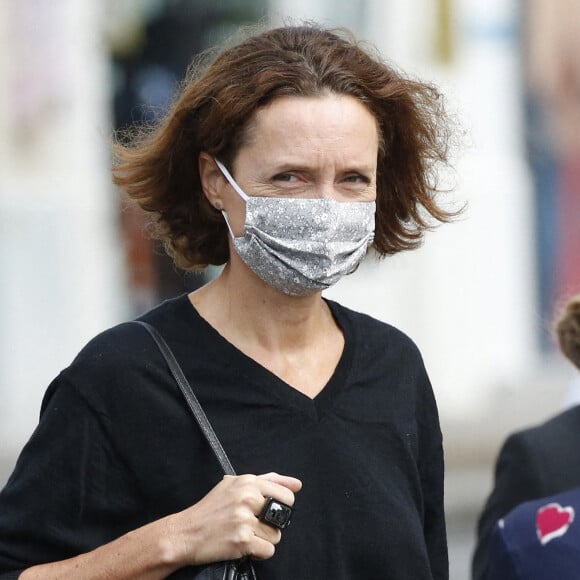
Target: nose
(326, 190)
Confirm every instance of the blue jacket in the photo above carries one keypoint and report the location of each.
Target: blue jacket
(533, 463)
(538, 540)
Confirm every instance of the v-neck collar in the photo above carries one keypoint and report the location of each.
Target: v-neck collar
(261, 376)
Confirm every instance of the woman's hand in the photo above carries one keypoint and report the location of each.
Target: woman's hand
(224, 525)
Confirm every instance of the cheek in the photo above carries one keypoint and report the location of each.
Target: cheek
(236, 210)
(237, 224)
(372, 193)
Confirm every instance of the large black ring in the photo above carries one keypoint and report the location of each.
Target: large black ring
(276, 513)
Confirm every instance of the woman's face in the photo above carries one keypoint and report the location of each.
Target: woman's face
(311, 147)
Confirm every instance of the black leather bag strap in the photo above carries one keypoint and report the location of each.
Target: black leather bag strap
(191, 399)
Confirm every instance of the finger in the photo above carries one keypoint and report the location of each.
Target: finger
(261, 549)
(291, 483)
(268, 533)
(278, 492)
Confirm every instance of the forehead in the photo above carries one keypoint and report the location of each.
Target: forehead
(329, 121)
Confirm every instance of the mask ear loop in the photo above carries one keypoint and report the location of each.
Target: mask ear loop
(231, 180)
(237, 189)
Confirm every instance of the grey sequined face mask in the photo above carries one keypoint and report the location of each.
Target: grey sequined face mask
(301, 246)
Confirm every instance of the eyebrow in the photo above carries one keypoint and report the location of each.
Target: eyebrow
(289, 166)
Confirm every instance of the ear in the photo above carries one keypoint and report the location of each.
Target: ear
(212, 180)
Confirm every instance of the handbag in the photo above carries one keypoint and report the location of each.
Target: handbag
(241, 569)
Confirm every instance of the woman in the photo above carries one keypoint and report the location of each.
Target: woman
(286, 159)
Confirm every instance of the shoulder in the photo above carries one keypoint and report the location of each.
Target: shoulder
(544, 456)
(373, 332)
(565, 422)
(129, 338)
(558, 429)
(387, 359)
(115, 356)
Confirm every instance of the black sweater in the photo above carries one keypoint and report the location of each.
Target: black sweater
(116, 448)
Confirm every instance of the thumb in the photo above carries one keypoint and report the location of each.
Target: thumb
(293, 484)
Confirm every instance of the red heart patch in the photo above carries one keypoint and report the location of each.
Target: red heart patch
(553, 521)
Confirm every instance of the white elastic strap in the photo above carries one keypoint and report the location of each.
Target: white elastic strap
(231, 180)
(224, 213)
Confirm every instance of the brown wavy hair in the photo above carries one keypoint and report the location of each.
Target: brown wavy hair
(158, 167)
(567, 330)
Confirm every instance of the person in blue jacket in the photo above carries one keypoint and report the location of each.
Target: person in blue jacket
(539, 461)
(538, 540)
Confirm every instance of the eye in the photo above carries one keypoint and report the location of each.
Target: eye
(286, 177)
(357, 178)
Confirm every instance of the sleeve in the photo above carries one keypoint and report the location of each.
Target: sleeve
(516, 480)
(69, 491)
(431, 469)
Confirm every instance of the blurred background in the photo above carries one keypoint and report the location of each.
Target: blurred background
(478, 298)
